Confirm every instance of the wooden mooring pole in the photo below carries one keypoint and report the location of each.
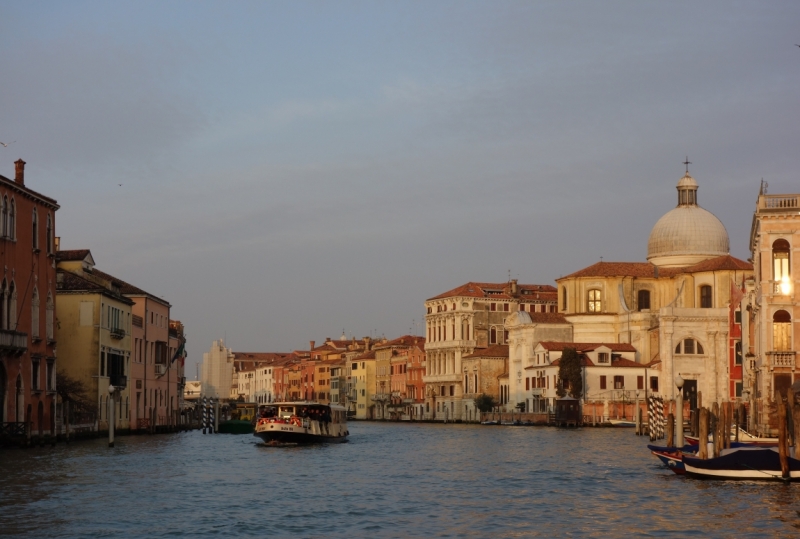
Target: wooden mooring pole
(715, 428)
(702, 424)
(783, 439)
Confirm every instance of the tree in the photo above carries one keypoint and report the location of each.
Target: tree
(74, 392)
(485, 403)
(569, 372)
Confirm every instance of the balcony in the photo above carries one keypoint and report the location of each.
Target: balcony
(117, 333)
(161, 368)
(538, 391)
(782, 359)
(779, 202)
(381, 397)
(13, 342)
(119, 382)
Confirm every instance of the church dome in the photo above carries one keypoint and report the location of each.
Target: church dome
(687, 234)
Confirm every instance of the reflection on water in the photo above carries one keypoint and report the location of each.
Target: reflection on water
(391, 480)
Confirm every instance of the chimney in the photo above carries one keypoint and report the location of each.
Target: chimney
(366, 344)
(514, 290)
(19, 171)
(311, 344)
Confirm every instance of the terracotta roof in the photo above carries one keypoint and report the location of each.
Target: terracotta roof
(720, 263)
(548, 318)
(623, 269)
(368, 355)
(648, 270)
(260, 357)
(586, 346)
(497, 350)
(129, 289)
(405, 340)
(74, 255)
(500, 291)
(25, 188)
(69, 282)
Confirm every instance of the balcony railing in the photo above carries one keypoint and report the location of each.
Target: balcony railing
(538, 391)
(782, 359)
(13, 342)
(117, 333)
(380, 397)
(780, 202)
(119, 382)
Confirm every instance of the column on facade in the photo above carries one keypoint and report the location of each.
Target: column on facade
(668, 363)
(712, 338)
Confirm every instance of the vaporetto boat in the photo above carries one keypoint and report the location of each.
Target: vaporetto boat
(282, 423)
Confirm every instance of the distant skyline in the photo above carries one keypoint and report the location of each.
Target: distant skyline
(292, 169)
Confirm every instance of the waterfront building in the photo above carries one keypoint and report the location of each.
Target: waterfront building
(27, 307)
(216, 371)
(94, 335)
(675, 309)
(191, 392)
(156, 372)
(338, 382)
(415, 385)
(468, 317)
(483, 371)
(772, 305)
(391, 360)
(611, 377)
(362, 375)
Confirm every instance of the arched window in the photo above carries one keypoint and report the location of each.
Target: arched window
(705, 297)
(643, 300)
(5, 230)
(780, 267)
(50, 315)
(12, 220)
(35, 314)
(35, 229)
(689, 346)
(564, 299)
(49, 234)
(595, 303)
(781, 331)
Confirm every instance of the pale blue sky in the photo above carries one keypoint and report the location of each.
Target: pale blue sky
(292, 169)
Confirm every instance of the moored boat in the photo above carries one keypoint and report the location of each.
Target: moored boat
(744, 438)
(301, 423)
(750, 463)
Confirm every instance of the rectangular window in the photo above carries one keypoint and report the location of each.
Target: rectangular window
(737, 353)
(51, 376)
(602, 382)
(602, 357)
(102, 363)
(35, 374)
(654, 384)
(505, 306)
(505, 336)
(527, 384)
(738, 389)
(705, 297)
(521, 306)
(493, 306)
(619, 382)
(737, 316)
(452, 390)
(640, 382)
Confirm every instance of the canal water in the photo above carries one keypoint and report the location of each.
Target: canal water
(390, 480)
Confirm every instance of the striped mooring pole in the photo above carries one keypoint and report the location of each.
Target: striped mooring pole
(205, 414)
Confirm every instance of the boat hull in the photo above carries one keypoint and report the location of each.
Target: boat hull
(758, 464)
(279, 433)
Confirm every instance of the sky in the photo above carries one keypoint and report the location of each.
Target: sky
(287, 171)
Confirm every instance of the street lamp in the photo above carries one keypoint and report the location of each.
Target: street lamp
(679, 414)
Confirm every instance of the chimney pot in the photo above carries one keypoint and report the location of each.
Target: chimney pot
(19, 171)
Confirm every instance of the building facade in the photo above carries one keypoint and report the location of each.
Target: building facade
(463, 319)
(772, 305)
(27, 311)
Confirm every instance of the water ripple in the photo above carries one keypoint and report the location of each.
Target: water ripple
(394, 480)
